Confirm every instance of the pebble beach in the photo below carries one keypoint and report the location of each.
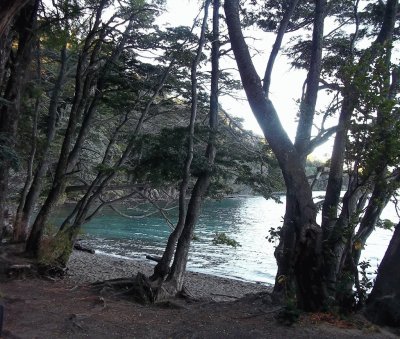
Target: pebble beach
(85, 268)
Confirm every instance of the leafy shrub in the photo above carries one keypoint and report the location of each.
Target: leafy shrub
(223, 239)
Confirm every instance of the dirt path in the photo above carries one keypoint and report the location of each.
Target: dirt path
(70, 308)
(43, 309)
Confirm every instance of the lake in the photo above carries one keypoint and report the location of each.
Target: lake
(246, 220)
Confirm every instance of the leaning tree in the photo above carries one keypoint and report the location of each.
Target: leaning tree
(312, 259)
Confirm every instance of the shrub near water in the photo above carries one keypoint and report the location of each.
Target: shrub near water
(223, 239)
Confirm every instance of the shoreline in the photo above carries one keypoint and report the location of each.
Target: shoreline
(86, 268)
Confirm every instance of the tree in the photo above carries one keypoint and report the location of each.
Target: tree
(183, 233)
(91, 78)
(303, 246)
(12, 84)
(300, 232)
(35, 176)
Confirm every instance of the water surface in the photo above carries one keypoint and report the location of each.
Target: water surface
(247, 220)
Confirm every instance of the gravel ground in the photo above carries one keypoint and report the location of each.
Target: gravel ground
(86, 268)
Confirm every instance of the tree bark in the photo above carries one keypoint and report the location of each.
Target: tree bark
(351, 95)
(383, 304)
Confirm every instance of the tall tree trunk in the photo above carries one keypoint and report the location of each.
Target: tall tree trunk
(10, 106)
(351, 96)
(383, 304)
(178, 268)
(162, 268)
(299, 252)
(24, 216)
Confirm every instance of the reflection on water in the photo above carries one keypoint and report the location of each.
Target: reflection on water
(246, 220)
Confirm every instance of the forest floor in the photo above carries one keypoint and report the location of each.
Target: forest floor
(71, 308)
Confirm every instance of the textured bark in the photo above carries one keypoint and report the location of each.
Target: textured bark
(340, 238)
(298, 254)
(383, 304)
(19, 232)
(334, 187)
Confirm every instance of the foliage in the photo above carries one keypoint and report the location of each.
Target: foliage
(223, 239)
(386, 224)
(366, 282)
(274, 234)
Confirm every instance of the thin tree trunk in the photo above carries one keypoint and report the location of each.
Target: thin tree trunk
(277, 44)
(351, 95)
(178, 268)
(19, 232)
(101, 181)
(162, 268)
(338, 232)
(22, 223)
(308, 103)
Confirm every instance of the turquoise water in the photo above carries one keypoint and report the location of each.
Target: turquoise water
(246, 220)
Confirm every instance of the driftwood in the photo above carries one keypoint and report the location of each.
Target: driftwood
(79, 247)
(153, 258)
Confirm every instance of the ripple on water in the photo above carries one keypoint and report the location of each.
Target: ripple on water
(246, 220)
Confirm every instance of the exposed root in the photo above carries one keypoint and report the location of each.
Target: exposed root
(140, 288)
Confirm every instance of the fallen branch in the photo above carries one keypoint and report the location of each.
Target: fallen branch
(153, 258)
(82, 248)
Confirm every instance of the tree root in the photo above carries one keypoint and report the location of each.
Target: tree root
(139, 288)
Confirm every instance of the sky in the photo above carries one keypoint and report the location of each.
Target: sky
(286, 83)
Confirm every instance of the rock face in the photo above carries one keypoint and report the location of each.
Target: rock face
(383, 304)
